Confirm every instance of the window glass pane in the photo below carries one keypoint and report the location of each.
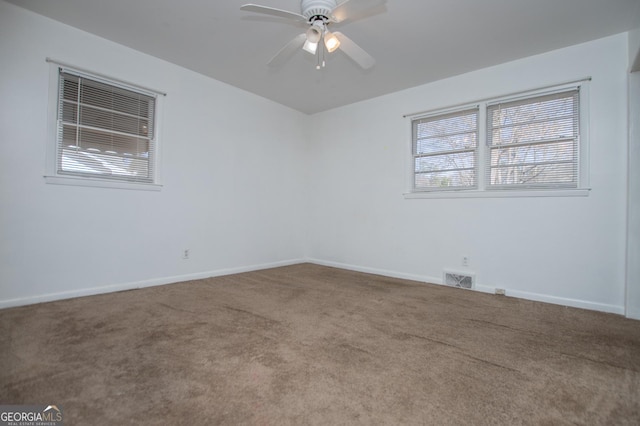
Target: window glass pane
(543, 108)
(458, 160)
(97, 163)
(102, 95)
(562, 173)
(447, 125)
(113, 121)
(120, 144)
(444, 180)
(534, 142)
(443, 146)
(70, 88)
(546, 130)
(535, 153)
(69, 112)
(69, 134)
(446, 143)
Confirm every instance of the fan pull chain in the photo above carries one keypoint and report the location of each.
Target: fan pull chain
(320, 63)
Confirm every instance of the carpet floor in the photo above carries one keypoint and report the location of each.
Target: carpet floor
(307, 344)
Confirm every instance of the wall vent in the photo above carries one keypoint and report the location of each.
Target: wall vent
(459, 279)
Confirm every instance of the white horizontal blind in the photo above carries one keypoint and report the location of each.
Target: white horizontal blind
(104, 130)
(533, 143)
(445, 151)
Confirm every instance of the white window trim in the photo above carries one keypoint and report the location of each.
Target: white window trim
(582, 189)
(51, 175)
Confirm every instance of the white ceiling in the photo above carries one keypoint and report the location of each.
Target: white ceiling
(413, 41)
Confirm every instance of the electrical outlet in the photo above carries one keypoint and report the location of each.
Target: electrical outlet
(186, 253)
(465, 260)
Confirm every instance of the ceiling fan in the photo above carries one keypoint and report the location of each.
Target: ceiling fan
(319, 15)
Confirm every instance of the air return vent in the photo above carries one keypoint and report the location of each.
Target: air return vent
(459, 279)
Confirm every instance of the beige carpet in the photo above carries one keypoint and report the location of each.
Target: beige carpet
(307, 344)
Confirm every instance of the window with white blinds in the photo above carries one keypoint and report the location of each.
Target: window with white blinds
(445, 151)
(104, 130)
(534, 142)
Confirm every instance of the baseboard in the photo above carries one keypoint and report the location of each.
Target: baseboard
(376, 271)
(50, 297)
(575, 303)
(564, 301)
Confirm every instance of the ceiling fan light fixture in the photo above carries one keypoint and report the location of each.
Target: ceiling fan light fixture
(331, 42)
(310, 47)
(314, 33)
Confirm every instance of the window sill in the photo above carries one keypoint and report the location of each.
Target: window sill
(102, 183)
(582, 192)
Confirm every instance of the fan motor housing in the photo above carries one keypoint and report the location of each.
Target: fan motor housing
(317, 9)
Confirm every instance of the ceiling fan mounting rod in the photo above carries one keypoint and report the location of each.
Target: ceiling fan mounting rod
(315, 10)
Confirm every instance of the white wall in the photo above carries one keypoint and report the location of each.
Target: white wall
(231, 167)
(633, 213)
(562, 250)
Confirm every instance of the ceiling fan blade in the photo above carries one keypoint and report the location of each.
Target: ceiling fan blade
(352, 8)
(273, 12)
(354, 51)
(287, 50)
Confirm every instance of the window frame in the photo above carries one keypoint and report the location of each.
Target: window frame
(483, 190)
(52, 176)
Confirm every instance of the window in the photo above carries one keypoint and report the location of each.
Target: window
(532, 142)
(445, 151)
(104, 131)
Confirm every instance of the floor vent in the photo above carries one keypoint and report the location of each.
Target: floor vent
(458, 279)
